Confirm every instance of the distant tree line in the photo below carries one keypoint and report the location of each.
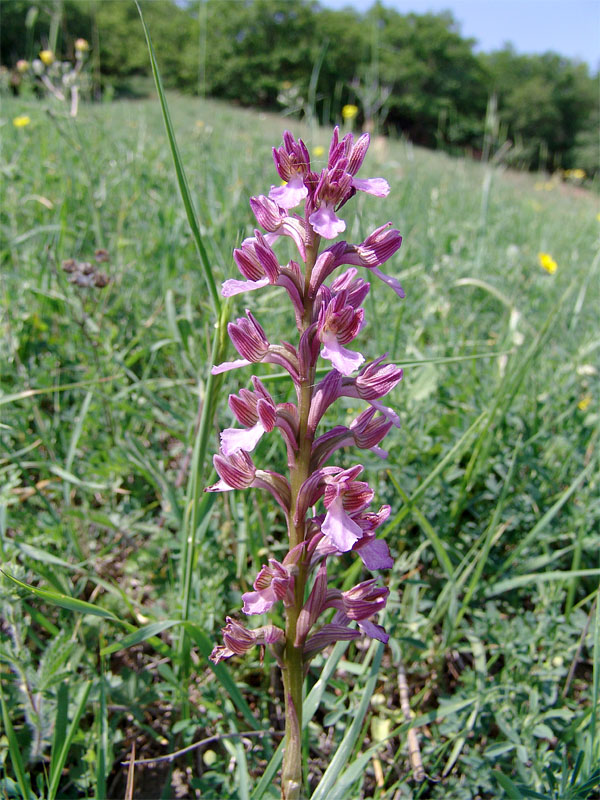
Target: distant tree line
(412, 74)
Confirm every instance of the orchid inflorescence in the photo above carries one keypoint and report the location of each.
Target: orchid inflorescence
(328, 318)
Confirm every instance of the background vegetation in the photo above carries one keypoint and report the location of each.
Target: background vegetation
(493, 478)
(411, 74)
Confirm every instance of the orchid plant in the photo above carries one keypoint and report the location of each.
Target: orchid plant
(328, 318)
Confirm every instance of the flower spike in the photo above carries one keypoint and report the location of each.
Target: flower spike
(325, 507)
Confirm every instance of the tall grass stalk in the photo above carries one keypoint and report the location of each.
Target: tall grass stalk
(195, 509)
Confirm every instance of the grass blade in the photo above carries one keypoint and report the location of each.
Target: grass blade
(523, 580)
(427, 528)
(141, 635)
(454, 453)
(80, 419)
(14, 750)
(326, 784)
(309, 709)
(64, 746)
(102, 748)
(181, 178)
(548, 516)
(64, 600)
(60, 723)
(197, 513)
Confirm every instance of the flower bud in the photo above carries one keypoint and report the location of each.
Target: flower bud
(248, 338)
(47, 57)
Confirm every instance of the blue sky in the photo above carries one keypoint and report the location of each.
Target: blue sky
(568, 27)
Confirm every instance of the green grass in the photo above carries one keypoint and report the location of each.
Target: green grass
(493, 479)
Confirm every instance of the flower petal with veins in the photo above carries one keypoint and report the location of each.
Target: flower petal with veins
(233, 439)
(344, 360)
(232, 286)
(326, 223)
(340, 528)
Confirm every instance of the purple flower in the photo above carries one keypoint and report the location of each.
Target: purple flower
(277, 222)
(238, 640)
(247, 438)
(360, 602)
(375, 553)
(374, 381)
(237, 471)
(338, 323)
(250, 341)
(365, 432)
(292, 162)
(273, 583)
(328, 318)
(356, 288)
(337, 184)
(257, 262)
(344, 496)
(377, 248)
(257, 412)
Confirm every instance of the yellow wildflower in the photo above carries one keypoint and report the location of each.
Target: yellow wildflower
(584, 403)
(576, 174)
(318, 150)
(81, 45)
(349, 112)
(22, 65)
(22, 121)
(47, 57)
(547, 263)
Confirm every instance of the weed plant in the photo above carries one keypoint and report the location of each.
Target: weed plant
(493, 478)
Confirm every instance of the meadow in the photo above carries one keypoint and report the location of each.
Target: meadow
(492, 479)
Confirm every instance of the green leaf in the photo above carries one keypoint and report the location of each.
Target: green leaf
(37, 554)
(64, 745)
(64, 600)
(326, 790)
(60, 723)
(523, 580)
(14, 750)
(309, 708)
(511, 789)
(181, 177)
(141, 635)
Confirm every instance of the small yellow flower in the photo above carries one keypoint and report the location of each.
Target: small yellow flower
(349, 112)
(22, 121)
(318, 151)
(585, 402)
(47, 57)
(81, 45)
(22, 65)
(547, 263)
(576, 174)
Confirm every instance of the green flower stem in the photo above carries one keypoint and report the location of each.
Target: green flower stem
(293, 663)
